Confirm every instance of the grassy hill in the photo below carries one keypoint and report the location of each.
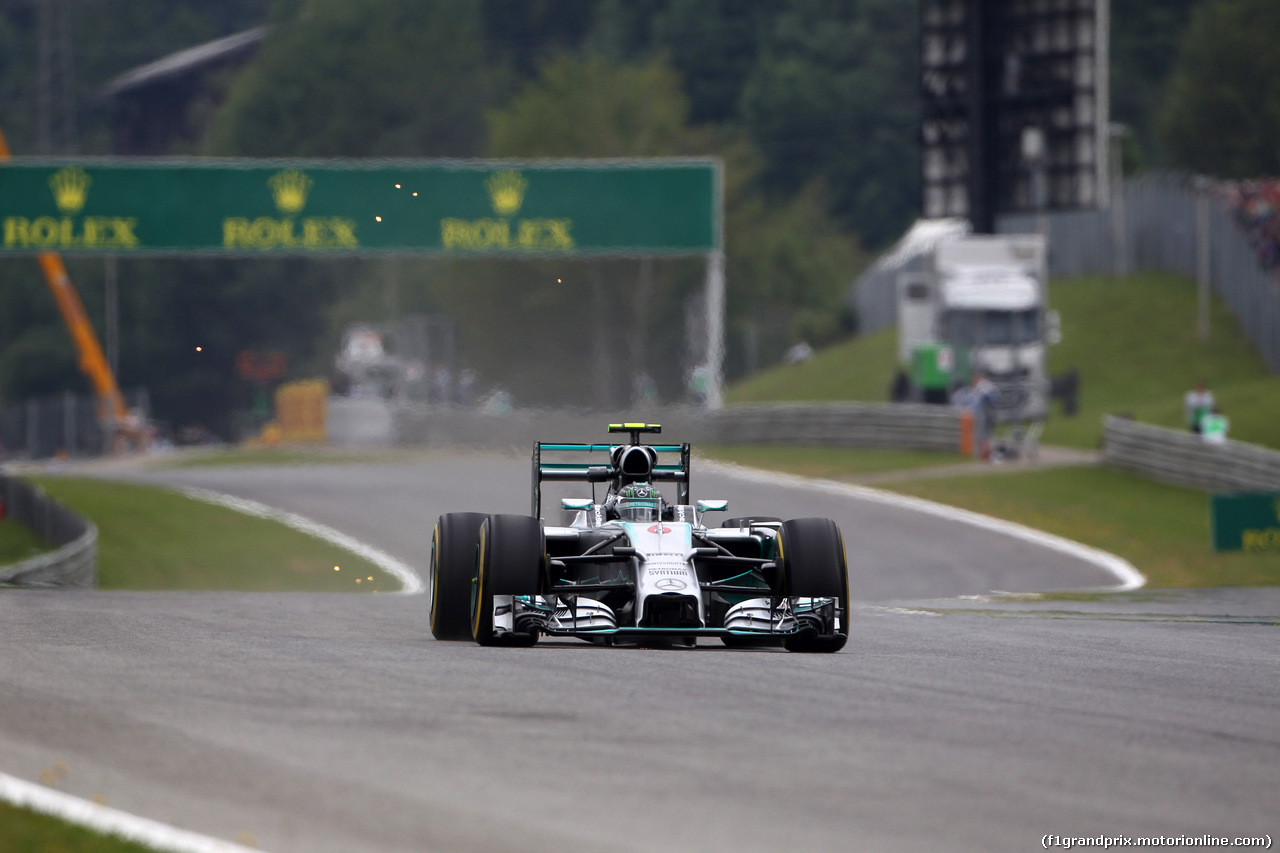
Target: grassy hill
(1132, 339)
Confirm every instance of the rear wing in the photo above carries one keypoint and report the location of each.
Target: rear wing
(578, 465)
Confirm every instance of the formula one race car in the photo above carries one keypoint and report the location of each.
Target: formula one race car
(633, 568)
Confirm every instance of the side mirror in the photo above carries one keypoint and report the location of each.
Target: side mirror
(713, 506)
(576, 504)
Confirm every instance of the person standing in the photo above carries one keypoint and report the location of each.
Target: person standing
(1198, 403)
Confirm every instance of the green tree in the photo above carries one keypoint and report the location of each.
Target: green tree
(363, 78)
(591, 107)
(833, 96)
(523, 33)
(1144, 47)
(1222, 116)
(715, 44)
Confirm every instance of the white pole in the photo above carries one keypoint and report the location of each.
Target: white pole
(715, 300)
(715, 329)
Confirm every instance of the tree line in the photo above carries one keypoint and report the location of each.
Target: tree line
(811, 103)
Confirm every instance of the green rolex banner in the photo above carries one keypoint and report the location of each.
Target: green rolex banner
(250, 207)
(1246, 521)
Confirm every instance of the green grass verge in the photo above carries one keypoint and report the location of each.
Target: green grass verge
(30, 832)
(1133, 341)
(18, 542)
(158, 539)
(1163, 530)
(858, 369)
(829, 461)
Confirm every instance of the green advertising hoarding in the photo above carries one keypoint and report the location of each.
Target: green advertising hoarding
(256, 207)
(1246, 521)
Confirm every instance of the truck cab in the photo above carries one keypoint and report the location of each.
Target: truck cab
(979, 305)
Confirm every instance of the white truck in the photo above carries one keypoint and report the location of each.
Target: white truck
(978, 304)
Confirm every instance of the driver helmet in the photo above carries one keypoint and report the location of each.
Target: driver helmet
(638, 502)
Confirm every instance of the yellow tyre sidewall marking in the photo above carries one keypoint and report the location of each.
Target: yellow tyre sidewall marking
(435, 576)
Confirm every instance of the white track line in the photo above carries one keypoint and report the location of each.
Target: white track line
(105, 819)
(1129, 578)
(153, 833)
(409, 580)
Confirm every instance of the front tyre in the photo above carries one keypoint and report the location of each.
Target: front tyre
(453, 562)
(811, 551)
(510, 556)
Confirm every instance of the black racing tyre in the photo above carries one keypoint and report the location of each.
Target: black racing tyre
(747, 521)
(509, 561)
(811, 551)
(453, 564)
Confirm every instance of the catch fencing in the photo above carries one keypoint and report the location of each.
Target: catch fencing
(1186, 459)
(64, 424)
(882, 425)
(74, 563)
(443, 426)
(1153, 226)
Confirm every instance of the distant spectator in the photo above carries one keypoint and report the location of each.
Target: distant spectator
(980, 397)
(441, 383)
(465, 393)
(643, 390)
(1256, 208)
(1198, 403)
(1213, 427)
(700, 384)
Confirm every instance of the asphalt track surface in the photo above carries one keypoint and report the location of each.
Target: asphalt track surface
(953, 720)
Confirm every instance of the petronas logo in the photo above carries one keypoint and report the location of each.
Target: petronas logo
(290, 188)
(506, 191)
(70, 189)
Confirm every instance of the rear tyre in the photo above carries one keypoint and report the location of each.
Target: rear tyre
(813, 563)
(453, 563)
(510, 556)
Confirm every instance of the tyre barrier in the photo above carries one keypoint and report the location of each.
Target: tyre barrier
(74, 563)
(1185, 459)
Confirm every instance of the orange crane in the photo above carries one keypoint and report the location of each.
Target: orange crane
(91, 360)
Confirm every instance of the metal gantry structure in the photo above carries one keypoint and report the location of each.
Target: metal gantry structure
(1014, 107)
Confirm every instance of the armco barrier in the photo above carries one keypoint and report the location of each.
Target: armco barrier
(1185, 459)
(75, 563)
(442, 426)
(887, 425)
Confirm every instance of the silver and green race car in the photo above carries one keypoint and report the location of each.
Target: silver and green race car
(633, 568)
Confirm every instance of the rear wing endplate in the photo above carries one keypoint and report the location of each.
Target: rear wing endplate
(584, 469)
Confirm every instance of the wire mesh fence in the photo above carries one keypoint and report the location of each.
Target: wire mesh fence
(66, 424)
